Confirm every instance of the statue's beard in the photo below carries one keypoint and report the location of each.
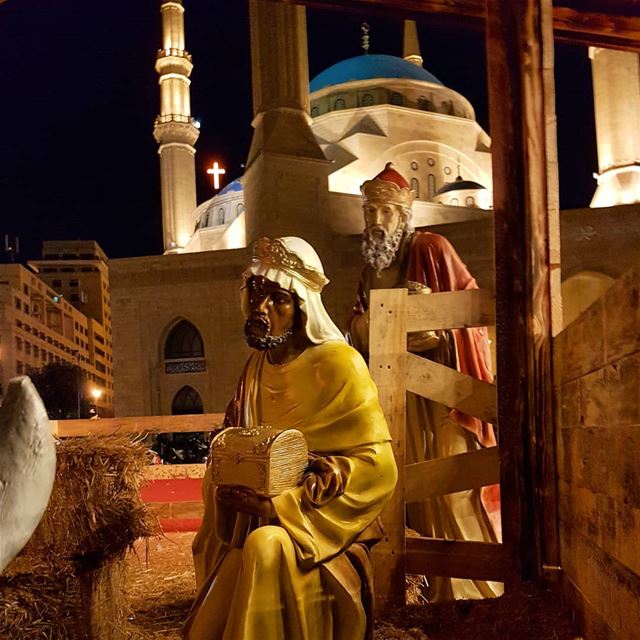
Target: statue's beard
(379, 248)
(256, 334)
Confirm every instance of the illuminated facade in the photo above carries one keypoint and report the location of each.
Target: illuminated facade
(616, 99)
(39, 324)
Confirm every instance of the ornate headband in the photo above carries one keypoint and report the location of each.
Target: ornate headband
(385, 191)
(274, 253)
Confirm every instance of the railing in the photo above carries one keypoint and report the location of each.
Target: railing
(178, 53)
(174, 117)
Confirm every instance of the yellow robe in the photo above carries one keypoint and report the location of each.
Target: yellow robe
(301, 577)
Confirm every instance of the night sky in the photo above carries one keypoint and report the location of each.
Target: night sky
(79, 96)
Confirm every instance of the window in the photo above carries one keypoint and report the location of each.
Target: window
(455, 202)
(25, 289)
(339, 104)
(50, 270)
(221, 215)
(414, 165)
(19, 368)
(315, 111)
(18, 303)
(367, 100)
(470, 201)
(26, 308)
(424, 104)
(68, 270)
(27, 348)
(74, 283)
(239, 208)
(184, 341)
(75, 297)
(56, 284)
(415, 185)
(431, 182)
(397, 99)
(186, 401)
(18, 344)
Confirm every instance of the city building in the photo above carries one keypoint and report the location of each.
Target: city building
(58, 310)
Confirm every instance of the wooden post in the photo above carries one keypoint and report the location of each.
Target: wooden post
(387, 364)
(522, 118)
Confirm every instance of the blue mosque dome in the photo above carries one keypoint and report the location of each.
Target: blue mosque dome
(367, 67)
(235, 185)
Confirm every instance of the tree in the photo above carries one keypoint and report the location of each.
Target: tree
(61, 386)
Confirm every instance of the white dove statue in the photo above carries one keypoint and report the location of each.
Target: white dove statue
(27, 466)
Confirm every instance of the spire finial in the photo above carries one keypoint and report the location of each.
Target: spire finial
(411, 45)
(364, 27)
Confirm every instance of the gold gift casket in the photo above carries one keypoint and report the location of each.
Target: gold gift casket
(266, 459)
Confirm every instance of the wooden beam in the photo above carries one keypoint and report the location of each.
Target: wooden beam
(524, 158)
(451, 388)
(570, 25)
(451, 310)
(137, 424)
(456, 559)
(596, 29)
(441, 476)
(387, 364)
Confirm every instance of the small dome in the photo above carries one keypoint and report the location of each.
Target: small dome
(235, 185)
(367, 67)
(459, 185)
(223, 208)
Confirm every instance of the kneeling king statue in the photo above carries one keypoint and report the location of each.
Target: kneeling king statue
(276, 562)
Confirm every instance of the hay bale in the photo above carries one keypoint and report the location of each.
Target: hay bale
(69, 581)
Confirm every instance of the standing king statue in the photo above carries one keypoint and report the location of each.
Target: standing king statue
(424, 262)
(296, 566)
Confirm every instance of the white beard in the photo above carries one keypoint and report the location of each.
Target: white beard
(379, 250)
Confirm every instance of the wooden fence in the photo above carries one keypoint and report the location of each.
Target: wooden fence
(393, 314)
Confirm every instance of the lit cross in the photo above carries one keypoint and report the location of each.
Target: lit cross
(216, 171)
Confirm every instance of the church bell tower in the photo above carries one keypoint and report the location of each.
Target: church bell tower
(175, 131)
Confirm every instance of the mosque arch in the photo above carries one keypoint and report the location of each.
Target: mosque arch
(221, 215)
(415, 185)
(339, 104)
(186, 401)
(183, 341)
(367, 100)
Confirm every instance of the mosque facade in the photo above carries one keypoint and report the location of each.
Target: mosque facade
(177, 328)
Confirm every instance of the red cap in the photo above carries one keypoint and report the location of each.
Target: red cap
(389, 174)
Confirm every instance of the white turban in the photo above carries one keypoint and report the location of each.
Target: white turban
(294, 265)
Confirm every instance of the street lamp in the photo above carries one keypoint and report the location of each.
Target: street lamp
(96, 393)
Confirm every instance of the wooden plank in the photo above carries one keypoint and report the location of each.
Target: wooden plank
(387, 364)
(451, 388)
(464, 471)
(520, 58)
(137, 424)
(456, 558)
(598, 29)
(571, 25)
(450, 310)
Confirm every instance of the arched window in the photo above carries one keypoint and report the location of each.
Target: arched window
(239, 208)
(415, 185)
(424, 104)
(367, 100)
(315, 111)
(431, 182)
(454, 202)
(470, 201)
(186, 401)
(397, 99)
(184, 341)
(339, 104)
(221, 215)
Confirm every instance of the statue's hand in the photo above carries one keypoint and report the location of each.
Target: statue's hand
(418, 341)
(245, 500)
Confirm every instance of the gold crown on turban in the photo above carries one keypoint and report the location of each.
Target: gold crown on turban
(388, 186)
(275, 254)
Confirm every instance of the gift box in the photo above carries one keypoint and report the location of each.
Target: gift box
(263, 458)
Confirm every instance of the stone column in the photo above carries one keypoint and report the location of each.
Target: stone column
(286, 176)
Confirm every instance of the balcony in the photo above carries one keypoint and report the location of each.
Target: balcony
(175, 53)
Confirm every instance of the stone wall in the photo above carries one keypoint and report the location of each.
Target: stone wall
(598, 413)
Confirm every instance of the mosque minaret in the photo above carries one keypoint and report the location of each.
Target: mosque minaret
(175, 131)
(616, 94)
